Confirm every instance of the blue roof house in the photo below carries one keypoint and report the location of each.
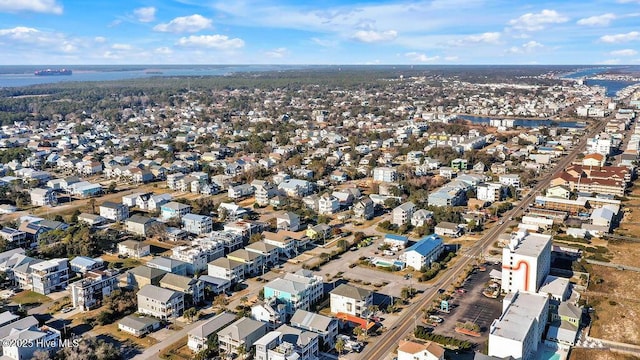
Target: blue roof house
(424, 252)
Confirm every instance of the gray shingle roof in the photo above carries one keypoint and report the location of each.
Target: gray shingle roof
(351, 292)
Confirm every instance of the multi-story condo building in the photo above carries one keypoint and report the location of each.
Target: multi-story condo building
(49, 275)
(88, 293)
(351, 300)
(526, 262)
(174, 209)
(114, 211)
(197, 224)
(520, 328)
(385, 174)
(423, 253)
(286, 343)
(296, 291)
(160, 303)
(402, 214)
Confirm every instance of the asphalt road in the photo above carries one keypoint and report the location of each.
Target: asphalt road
(380, 350)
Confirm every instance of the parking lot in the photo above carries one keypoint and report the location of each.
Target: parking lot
(472, 306)
(395, 280)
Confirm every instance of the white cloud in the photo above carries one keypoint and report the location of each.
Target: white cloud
(19, 33)
(100, 39)
(278, 53)
(324, 42)
(372, 36)
(121, 47)
(599, 20)
(451, 58)
(111, 55)
(538, 21)
(68, 47)
(525, 48)
(420, 57)
(163, 50)
(41, 6)
(610, 62)
(221, 42)
(488, 37)
(190, 24)
(624, 52)
(484, 38)
(145, 14)
(618, 38)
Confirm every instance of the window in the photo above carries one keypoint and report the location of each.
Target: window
(349, 307)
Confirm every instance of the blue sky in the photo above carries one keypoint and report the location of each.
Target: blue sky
(319, 32)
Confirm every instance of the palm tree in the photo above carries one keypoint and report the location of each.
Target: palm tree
(340, 346)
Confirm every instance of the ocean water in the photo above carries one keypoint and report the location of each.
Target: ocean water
(16, 76)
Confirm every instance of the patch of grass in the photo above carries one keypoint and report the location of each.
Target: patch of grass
(173, 352)
(30, 298)
(112, 330)
(60, 304)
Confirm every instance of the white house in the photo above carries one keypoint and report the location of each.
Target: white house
(350, 300)
(114, 211)
(510, 180)
(328, 204)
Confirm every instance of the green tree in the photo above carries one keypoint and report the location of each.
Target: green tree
(190, 313)
(342, 244)
(340, 345)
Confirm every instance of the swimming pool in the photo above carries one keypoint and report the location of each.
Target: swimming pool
(545, 353)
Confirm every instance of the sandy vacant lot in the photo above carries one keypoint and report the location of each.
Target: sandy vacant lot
(592, 354)
(615, 295)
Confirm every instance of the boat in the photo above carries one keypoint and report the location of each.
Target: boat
(52, 72)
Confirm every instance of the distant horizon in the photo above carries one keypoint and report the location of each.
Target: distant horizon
(331, 32)
(327, 64)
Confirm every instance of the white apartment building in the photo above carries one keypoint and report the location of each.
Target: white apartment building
(402, 214)
(114, 211)
(520, 328)
(490, 192)
(197, 224)
(198, 254)
(423, 253)
(385, 174)
(49, 275)
(88, 293)
(510, 180)
(599, 145)
(525, 262)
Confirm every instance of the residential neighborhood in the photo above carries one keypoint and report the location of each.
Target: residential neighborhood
(391, 222)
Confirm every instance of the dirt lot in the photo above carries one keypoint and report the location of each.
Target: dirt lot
(624, 252)
(615, 296)
(630, 224)
(472, 306)
(596, 354)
